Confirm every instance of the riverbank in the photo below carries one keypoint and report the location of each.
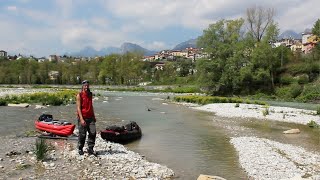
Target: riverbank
(114, 161)
(267, 159)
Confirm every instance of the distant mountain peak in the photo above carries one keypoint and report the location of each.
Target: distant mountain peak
(187, 44)
(290, 34)
(89, 51)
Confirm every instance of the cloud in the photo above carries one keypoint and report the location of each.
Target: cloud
(68, 25)
(12, 8)
(155, 45)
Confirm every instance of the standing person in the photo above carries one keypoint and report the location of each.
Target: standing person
(86, 119)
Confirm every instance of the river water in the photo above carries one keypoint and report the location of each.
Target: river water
(187, 141)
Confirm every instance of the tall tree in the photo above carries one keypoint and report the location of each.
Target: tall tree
(316, 28)
(221, 41)
(258, 19)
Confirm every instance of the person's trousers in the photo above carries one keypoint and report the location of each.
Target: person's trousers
(90, 127)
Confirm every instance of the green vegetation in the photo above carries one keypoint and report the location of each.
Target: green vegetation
(41, 149)
(179, 89)
(313, 124)
(55, 98)
(318, 110)
(31, 133)
(3, 102)
(214, 99)
(265, 111)
(22, 166)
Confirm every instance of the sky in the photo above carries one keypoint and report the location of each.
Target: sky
(44, 27)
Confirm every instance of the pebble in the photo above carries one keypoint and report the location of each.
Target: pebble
(292, 115)
(264, 159)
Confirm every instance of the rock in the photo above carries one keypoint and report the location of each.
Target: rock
(292, 131)
(24, 105)
(297, 177)
(208, 177)
(40, 107)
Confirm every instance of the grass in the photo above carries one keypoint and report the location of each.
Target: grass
(55, 99)
(41, 149)
(22, 166)
(31, 133)
(214, 99)
(313, 124)
(266, 111)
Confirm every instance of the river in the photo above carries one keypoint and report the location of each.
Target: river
(187, 141)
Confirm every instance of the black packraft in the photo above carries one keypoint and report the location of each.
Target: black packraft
(45, 117)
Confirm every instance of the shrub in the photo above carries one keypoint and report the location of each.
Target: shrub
(41, 149)
(303, 79)
(310, 93)
(3, 102)
(313, 124)
(286, 79)
(213, 99)
(265, 112)
(318, 110)
(289, 92)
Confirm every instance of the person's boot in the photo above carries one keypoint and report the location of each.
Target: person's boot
(90, 151)
(80, 151)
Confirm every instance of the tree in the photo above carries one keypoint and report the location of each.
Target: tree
(316, 28)
(221, 40)
(316, 31)
(259, 19)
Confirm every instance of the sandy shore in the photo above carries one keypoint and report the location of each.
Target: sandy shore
(265, 159)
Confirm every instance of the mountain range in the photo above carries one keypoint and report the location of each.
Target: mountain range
(125, 47)
(130, 47)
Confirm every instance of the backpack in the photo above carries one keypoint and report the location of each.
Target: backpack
(45, 117)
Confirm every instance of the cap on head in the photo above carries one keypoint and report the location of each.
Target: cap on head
(85, 82)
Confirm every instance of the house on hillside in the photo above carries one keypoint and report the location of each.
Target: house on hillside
(159, 66)
(149, 58)
(312, 41)
(297, 47)
(53, 58)
(3, 54)
(42, 59)
(53, 75)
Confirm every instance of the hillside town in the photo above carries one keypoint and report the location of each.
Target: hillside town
(303, 45)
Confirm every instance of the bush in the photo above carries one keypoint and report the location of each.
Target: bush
(55, 99)
(289, 92)
(318, 110)
(41, 149)
(310, 93)
(3, 102)
(286, 79)
(313, 124)
(303, 79)
(266, 111)
(213, 99)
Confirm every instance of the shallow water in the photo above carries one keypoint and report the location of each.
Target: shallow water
(189, 142)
